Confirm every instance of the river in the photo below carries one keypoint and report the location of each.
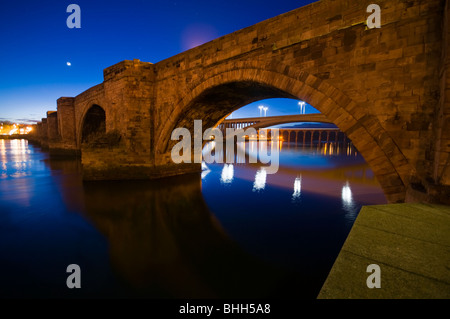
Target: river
(232, 231)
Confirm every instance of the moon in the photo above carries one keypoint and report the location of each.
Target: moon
(69, 64)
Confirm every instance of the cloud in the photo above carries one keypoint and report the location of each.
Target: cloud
(27, 121)
(20, 121)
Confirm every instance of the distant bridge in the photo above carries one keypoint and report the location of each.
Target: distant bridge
(267, 121)
(303, 135)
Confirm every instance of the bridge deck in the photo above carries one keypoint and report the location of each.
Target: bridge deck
(313, 117)
(410, 243)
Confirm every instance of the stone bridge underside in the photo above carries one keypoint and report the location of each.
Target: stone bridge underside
(386, 88)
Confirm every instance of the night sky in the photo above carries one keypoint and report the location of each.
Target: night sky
(36, 44)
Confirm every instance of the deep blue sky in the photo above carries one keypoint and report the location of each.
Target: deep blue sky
(36, 44)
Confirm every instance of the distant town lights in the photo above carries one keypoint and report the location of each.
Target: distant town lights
(14, 128)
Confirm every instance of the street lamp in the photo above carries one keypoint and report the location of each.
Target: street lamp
(302, 107)
(265, 110)
(260, 110)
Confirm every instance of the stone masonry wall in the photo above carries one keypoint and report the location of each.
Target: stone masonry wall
(387, 78)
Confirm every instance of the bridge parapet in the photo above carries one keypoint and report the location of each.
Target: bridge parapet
(126, 68)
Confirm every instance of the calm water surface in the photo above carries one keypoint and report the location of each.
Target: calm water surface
(232, 231)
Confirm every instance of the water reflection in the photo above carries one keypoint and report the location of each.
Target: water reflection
(325, 182)
(349, 205)
(214, 234)
(165, 242)
(14, 158)
(297, 188)
(162, 240)
(227, 174)
(347, 194)
(205, 170)
(260, 180)
(319, 168)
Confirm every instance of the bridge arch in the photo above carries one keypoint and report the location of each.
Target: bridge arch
(93, 122)
(221, 93)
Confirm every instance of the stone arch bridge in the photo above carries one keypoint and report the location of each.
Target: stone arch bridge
(387, 88)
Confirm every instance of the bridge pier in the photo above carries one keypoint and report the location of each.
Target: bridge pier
(65, 144)
(53, 137)
(97, 165)
(43, 134)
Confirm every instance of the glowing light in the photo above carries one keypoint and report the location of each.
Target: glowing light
(297, 188)
(261, 107)
(302, 107)
(227, 174)
(346, 194)
(260, 180)
(13, 131)
(205, 170)
(205, 173)
(69, 64)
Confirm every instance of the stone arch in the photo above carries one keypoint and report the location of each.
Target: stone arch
(93, 121)
(221, 93)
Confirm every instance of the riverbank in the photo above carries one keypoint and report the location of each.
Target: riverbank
(409, 242)
(13, 137)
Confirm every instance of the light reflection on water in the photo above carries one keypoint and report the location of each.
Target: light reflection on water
(227, 174)
(260, 180)
(297, 188)
(179, 237)
(307, 207)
